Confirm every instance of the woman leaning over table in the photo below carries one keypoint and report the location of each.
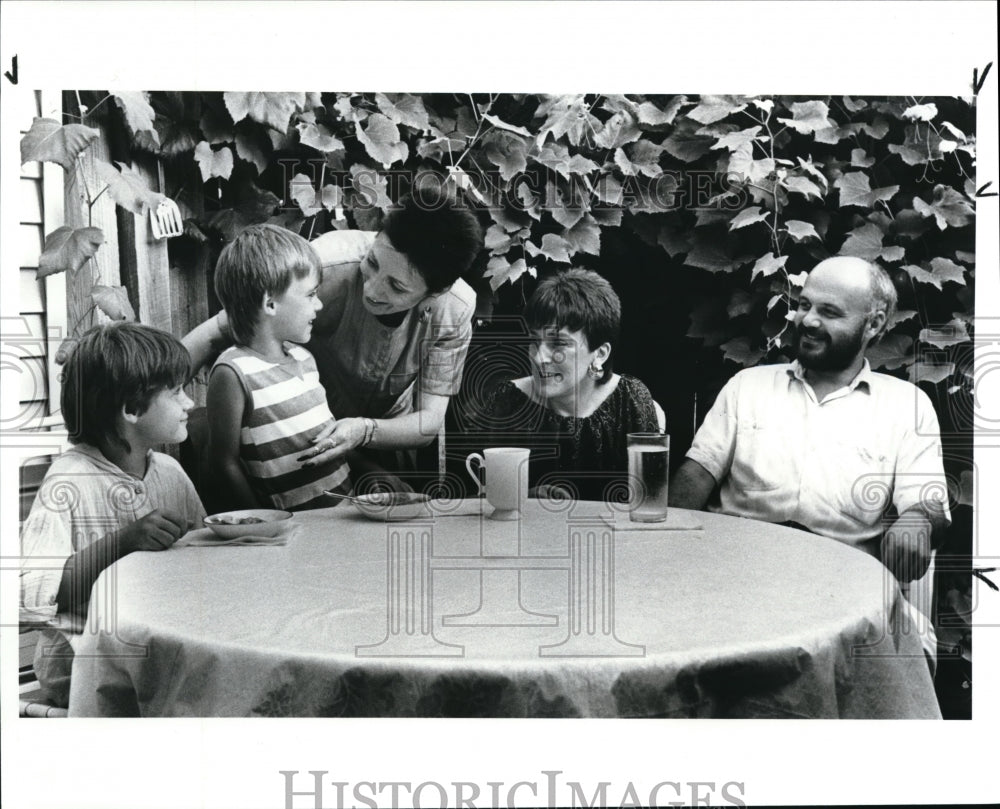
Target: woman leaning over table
(573, 411)
(391, 339)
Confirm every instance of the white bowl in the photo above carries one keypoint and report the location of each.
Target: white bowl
(257, 522)
(393, 506)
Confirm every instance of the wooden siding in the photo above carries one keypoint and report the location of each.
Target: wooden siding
(31, 351)
(42, 302)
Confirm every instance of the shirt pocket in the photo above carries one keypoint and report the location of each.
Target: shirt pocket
(402, 391)
(399, 383)
(859, 479)
(762, 459)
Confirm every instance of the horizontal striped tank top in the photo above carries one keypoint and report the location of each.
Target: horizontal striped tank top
(287, 408)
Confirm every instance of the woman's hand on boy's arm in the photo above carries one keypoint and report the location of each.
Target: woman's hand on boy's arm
(225, 404)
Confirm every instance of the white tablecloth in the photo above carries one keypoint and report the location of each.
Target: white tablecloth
(568, 612)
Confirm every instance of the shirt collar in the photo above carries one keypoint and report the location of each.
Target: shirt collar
(99, 458)
(863, 377)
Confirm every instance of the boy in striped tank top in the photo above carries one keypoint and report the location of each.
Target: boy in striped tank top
(265, 401)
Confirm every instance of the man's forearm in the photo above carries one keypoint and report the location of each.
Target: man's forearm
(691, 486)
(934, 514)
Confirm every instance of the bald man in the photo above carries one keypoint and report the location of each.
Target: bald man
(824, 443)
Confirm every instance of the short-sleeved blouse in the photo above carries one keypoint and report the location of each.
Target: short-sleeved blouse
(374, 370)
(588, 455)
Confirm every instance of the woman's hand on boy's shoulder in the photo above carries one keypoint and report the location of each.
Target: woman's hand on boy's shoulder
(157, 531)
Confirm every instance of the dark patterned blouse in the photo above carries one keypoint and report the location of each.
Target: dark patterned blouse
(586, 455)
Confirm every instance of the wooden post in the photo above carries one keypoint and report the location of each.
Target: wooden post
(144, 262)
(56, 305)
(189, 278)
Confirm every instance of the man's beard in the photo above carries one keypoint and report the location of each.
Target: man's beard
(828, 355)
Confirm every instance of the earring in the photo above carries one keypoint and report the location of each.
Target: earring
(595, 371)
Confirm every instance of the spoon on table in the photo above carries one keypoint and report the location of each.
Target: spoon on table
(383, 498)
(387, 500)
(349, 497)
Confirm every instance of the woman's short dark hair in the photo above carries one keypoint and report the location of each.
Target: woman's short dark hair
(436, 232)
(115, 366)
(579, 300)
(261, 260)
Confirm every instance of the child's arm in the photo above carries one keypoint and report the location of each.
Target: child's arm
(157, 531)
(226, 403)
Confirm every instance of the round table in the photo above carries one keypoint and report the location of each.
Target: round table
(571, 611)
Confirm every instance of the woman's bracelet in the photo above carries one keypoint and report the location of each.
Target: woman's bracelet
(371, 428)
